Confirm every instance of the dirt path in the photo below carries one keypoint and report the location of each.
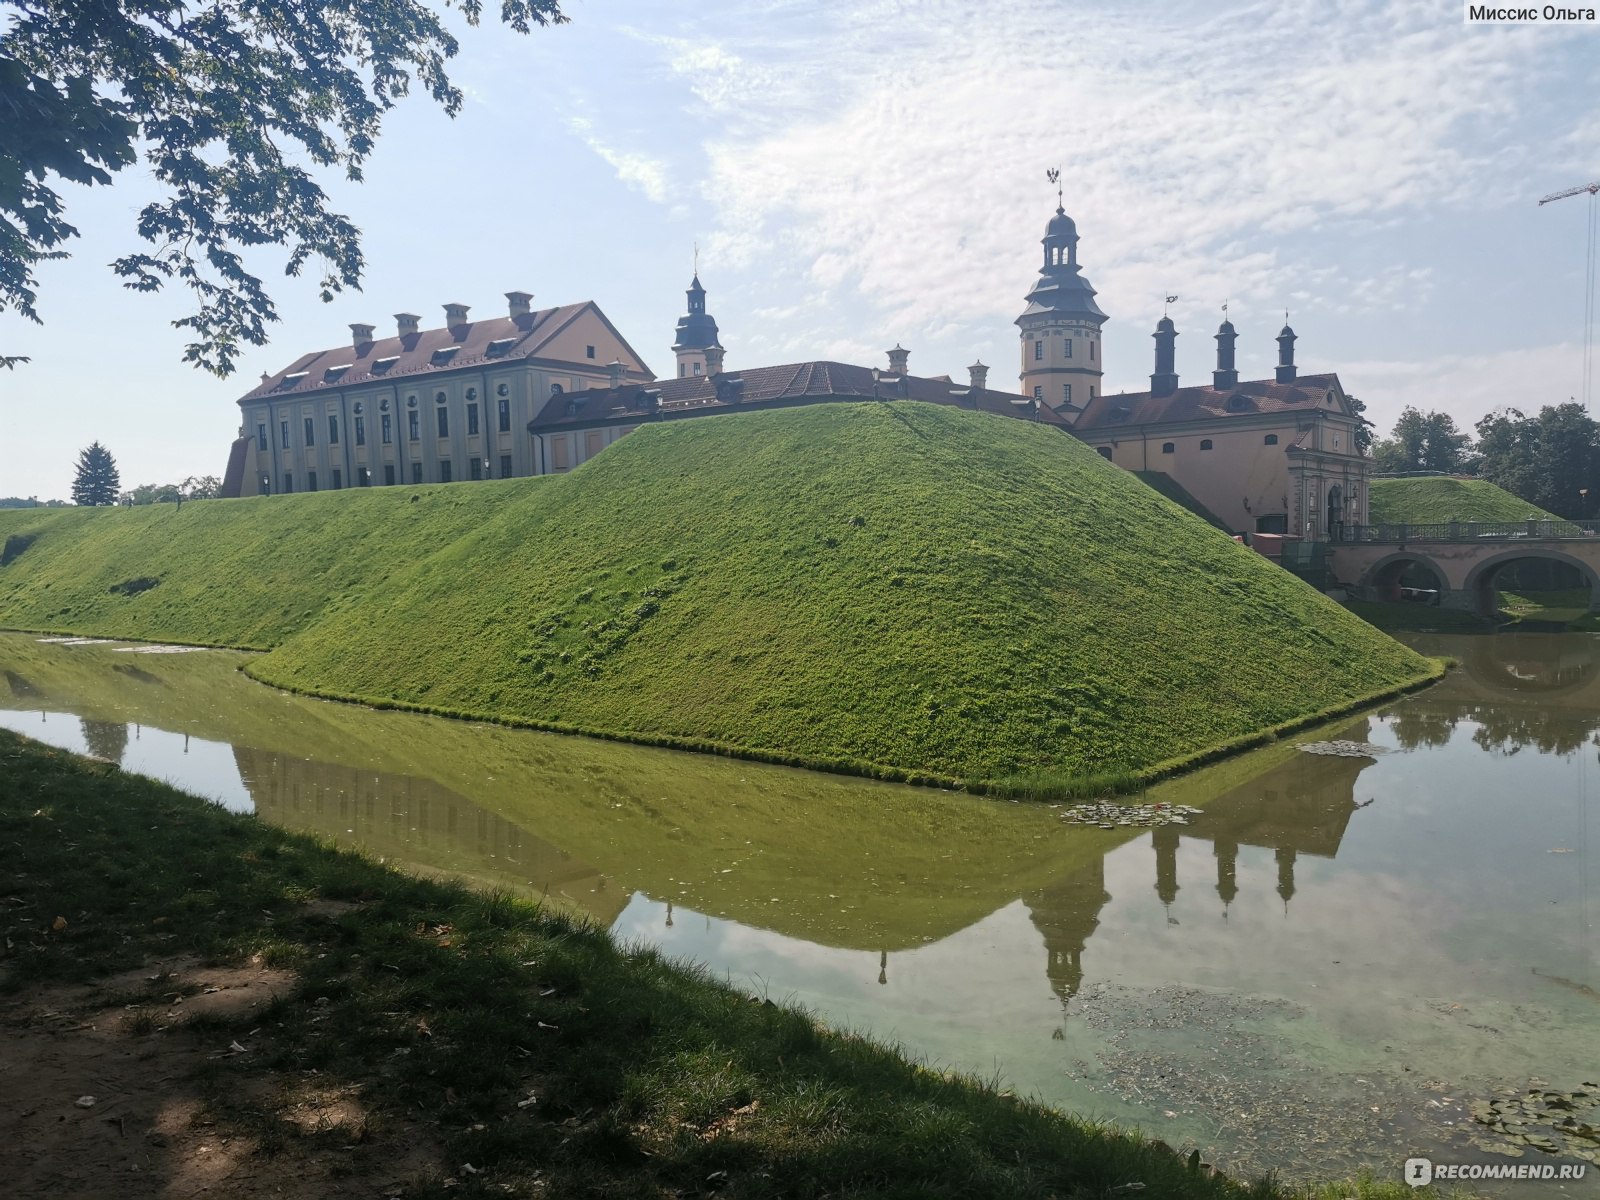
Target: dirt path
(182, 1105)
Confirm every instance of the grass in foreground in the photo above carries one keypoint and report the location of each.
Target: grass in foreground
(448, 1009)
(1427, 500)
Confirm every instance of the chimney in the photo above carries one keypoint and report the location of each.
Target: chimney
(614, 370)
(1225, 376)
(980, 376)
(521, 303)
(897, 359)
(361, 335)
(1165, 379)
(454, 315)
(1286, 340)
(406, 323)
(714, 360)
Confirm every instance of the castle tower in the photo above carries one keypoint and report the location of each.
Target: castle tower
(1226, 375)
(696, 335)
(1061, 364)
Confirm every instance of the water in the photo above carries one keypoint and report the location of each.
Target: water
(1324, 971)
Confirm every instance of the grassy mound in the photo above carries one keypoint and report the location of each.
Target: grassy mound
(895, 588)
(898, 584)
(224, 572)
(1427, 500)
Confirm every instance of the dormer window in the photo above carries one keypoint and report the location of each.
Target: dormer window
(442, 357)
(293, 379)
(1238, 403)
(380, 365)
(1270, 440)
(334, 374)
(499, 346)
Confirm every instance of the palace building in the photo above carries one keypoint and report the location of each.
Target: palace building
(1276, 455)
(539, 392)
(424, 405)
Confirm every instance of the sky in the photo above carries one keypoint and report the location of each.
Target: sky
(858, 175)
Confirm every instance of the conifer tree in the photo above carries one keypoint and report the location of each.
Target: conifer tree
(97, 482)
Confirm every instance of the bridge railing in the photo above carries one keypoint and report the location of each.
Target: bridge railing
(1464, 531)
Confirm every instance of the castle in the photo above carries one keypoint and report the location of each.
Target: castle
(540, 391)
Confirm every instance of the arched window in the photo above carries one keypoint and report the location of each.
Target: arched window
(1270, 440)
(1103, 452)
(1205, 443)
(1169, 447)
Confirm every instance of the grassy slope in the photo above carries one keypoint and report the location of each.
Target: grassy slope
(1424, 500)
(896, 584)
(244, 573)
(1180, 495)
(446, 1011)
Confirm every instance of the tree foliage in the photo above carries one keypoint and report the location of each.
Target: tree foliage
(196, 487)
(97, 479)
(1424, 442)
(1547, 460)
(1363, 430)
(233, 107)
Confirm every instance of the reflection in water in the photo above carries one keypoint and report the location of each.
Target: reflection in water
(1376, 922)
(105, 739)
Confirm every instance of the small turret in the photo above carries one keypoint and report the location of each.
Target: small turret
(1286, 340)
(897, 359)
(1165, 379)
(1225, 376)
(696, 333)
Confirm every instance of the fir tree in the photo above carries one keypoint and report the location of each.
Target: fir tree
(97, 481)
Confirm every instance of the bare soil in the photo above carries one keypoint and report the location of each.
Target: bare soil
(131, 1087)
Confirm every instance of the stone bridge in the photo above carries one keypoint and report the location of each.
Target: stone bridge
(1464, 557)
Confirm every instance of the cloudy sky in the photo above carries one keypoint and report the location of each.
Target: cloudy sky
(862, 173)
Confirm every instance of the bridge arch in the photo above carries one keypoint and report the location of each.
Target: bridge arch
(1396, 575)
(1479, 586)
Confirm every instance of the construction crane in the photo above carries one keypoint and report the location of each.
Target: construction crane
(1588, 295)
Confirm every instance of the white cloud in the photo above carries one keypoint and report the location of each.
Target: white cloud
(639, 171)
(1212, 156)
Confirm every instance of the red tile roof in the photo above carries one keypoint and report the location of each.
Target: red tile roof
(770, 387)
(1253, 398)
(492, 340)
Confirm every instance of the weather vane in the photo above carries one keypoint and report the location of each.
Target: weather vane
(1053, 174)
(1170, 300)
(697, 259)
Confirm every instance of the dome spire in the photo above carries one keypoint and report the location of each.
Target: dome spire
(696, 344)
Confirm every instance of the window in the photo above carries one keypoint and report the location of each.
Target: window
(338, 479)
(388, 429)
(283, 435)
(475, 468)
(364, 477)
(444, 421)
(333, 430)
(588, 351)
(388, 474)
(558, 453)
(1104, 452)
(1169, 447)
(1038, 351)
(1066, 393)
(311, 432)
(414, 426)
(266, 485)
(505, 466)
(697, 368)
(472, 420)
(288, 482)
(261, 435)
(1066, 347)
(1091, 391)
(683, 369)
(416, 472)
(1038, 392)
(311, 481)
(1270, 440)
(505, 415)
(444, 470)
(1205, 443)
(361, 431)
(1091, 351)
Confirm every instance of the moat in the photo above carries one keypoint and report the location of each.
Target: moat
(1334, 965)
